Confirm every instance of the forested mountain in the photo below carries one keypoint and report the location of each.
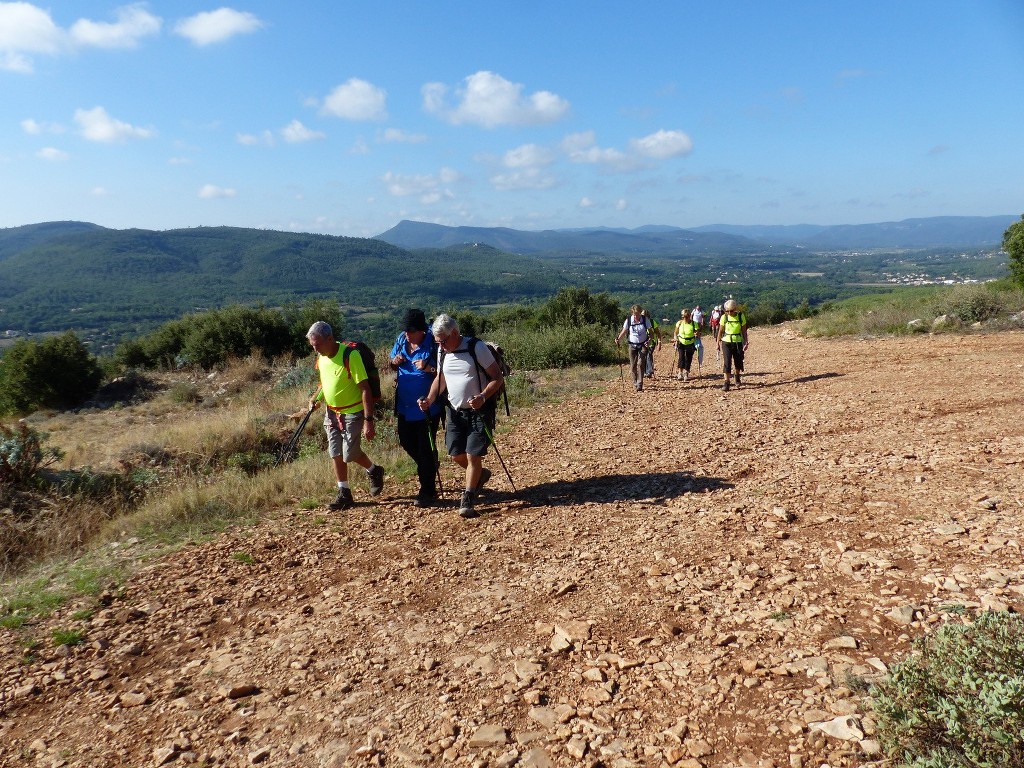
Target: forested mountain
(935, 232)
(655, 240)
(90, 277)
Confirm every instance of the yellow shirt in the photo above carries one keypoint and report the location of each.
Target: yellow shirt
(341, 389)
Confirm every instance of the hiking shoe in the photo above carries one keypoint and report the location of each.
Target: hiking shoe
(425, 499)
(343, 500)
(485, 475)
(679, 376)
(725, 387)
(466, 509)
(737, 379)
(376, 476)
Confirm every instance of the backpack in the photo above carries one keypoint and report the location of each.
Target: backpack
(369, 363)
(499, 358)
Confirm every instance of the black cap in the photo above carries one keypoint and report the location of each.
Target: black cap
(415, 320)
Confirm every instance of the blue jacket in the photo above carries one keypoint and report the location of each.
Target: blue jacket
(411, 383)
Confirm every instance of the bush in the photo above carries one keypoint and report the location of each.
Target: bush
(970, 303)
(557, 347)
(22, 455)
(210, 339)
(958, 700)
(58, 372)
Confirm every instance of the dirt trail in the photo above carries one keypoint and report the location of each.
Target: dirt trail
(686, 577)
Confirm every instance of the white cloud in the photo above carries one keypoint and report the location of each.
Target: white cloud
(26, 30)
(586, 202)
(97, 125)
(528, 156)
(582, 148)
(428, 187)
(356, 100)
(99, 192)
(296, 133)
(398, 136)
(489, 100)
(52, 154)
(527, 178)
(621, 205)
(662, 145)
(35, 128)
(133, 22)
(252, 140)
(217, 26)
(213, 192)
(179, 161)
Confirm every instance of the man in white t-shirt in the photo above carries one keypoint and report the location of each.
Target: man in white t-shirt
(472, 381)
(698, 316)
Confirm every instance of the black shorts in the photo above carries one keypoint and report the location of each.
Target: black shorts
(466, 431)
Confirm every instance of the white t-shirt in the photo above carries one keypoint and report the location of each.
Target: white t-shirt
(460, 372)
(638, 331)
(698, 316)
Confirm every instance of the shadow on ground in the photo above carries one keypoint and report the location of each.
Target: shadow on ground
(653, 487)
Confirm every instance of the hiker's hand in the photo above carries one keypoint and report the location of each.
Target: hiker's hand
(421, 365)
(424, 404)
(746, 345)
(476, 402)
(397, 360)
(369, 429)
(313, 403)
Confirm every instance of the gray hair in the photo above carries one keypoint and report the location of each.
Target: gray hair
(320, 330)
(444, 325)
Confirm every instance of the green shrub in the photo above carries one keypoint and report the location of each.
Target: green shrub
(557, 347)
(970, 303)
(209, 339)
(58, 372)
(958, 699)
(22, 454)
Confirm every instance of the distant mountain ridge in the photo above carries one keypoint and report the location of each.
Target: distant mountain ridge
(934, 232)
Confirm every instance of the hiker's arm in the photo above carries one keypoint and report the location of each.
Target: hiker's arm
(493, 386)
(369, 425)
(314, 400)
(437, 387)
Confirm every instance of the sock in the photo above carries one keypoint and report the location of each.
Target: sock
(342, 484)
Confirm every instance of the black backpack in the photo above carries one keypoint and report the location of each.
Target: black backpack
(369, 363)
(499, 357)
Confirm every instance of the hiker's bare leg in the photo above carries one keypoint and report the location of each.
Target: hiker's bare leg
(473, 465)
(340, 469)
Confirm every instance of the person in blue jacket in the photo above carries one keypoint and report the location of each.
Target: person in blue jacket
(414, 361)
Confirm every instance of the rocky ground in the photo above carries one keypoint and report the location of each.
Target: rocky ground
(685, 577)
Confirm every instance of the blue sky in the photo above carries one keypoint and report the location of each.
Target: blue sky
(344, 118)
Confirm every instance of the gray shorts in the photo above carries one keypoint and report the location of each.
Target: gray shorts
(344, 435)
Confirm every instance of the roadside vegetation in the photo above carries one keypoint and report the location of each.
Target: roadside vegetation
(989, 306)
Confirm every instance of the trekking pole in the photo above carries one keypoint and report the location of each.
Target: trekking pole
(289, 447)
(622, 376)
(433, 452)
(490, 436)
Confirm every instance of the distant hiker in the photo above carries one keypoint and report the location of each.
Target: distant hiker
(716, 314)
(687, 334)
(345, 388)
(414, 361)
(698, 316)
(637, 329)
(472, 379)
(732, 340)
(656, 332)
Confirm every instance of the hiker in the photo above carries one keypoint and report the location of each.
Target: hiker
(687, 334)
(716, 313)
(345, 389)
(638, 329)
(656, 330)
(414, 361)
(732, 340)
(698, 316)
(472, 379)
